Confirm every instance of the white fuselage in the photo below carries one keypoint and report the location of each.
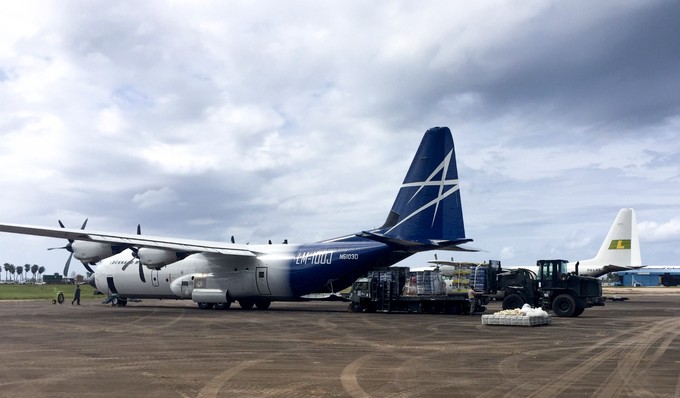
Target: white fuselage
(279, 272)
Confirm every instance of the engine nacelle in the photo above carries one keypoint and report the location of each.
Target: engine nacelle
(155, 258)
(91, 252)
(183, 286)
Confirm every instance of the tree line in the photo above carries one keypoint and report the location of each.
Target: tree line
(17, 271)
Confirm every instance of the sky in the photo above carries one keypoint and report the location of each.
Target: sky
(298, 120)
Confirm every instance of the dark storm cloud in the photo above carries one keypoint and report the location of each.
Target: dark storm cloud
(622, 69)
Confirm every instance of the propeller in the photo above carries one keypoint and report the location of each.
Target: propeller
(134, 255)
(69, 248)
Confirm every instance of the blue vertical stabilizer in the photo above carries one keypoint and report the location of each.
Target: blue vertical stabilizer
(427, 211)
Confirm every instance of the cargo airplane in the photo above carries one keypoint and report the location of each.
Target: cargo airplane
(620, 251)
(426, 215)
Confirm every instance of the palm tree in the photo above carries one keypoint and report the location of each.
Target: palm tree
(12, 270)
(41, 270)
(34, 270)
(27, 269)
(20, 270)
(6, 265)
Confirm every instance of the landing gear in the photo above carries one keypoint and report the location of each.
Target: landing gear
(246, 304)
(118, 301)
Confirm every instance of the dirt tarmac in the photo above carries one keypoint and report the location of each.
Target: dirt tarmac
(172, 349)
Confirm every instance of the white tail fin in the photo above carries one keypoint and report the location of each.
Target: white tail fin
(620, 249)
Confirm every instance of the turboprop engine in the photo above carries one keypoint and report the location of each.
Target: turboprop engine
(92, 252)
(155, 258)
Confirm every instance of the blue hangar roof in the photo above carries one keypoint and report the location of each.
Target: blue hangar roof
(652, 271)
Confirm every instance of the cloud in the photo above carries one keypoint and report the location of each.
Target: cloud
(152, 198)
(659, 232)
(298, 120)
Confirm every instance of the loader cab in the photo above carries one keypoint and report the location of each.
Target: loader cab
(361, 288)
(551, 272)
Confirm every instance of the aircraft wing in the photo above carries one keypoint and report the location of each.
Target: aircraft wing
(183, 245)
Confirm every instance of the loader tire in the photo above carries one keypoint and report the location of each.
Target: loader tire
(513, 301)
(564, 305)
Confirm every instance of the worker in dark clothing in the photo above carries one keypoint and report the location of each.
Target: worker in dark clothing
(76, 295)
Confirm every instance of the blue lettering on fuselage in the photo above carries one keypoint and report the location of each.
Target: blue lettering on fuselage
(315, 267)
(314, 258)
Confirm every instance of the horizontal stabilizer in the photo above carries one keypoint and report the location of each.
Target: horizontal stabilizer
(615, 268)
(414, 246)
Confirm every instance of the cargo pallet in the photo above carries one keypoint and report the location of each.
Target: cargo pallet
(516, 320)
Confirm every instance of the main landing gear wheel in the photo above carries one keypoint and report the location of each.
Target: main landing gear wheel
(223, 306)
(118, 302)
(205, 306)
(246, 304)
(263, 305)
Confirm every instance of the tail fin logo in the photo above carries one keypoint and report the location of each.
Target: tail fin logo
(620, 244)
(446, 188)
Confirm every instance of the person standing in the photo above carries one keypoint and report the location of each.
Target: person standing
(76, 295)
(471, 298)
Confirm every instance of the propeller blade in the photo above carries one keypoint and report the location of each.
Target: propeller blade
(68, 263)
(69, 247)
(141, 273)
(61, 224)
(128, 263)
(135, 250)
(88, 268)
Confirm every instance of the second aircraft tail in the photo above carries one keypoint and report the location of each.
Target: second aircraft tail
(620, 250)
(622, 246)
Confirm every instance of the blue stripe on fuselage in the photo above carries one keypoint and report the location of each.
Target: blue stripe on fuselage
(317, 264)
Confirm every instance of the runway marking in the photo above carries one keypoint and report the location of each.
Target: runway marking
(631, 349)
(212, 388)
(634, 353)
(348, 377)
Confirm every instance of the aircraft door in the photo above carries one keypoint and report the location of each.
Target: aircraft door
(154, 277)
(262, 283)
